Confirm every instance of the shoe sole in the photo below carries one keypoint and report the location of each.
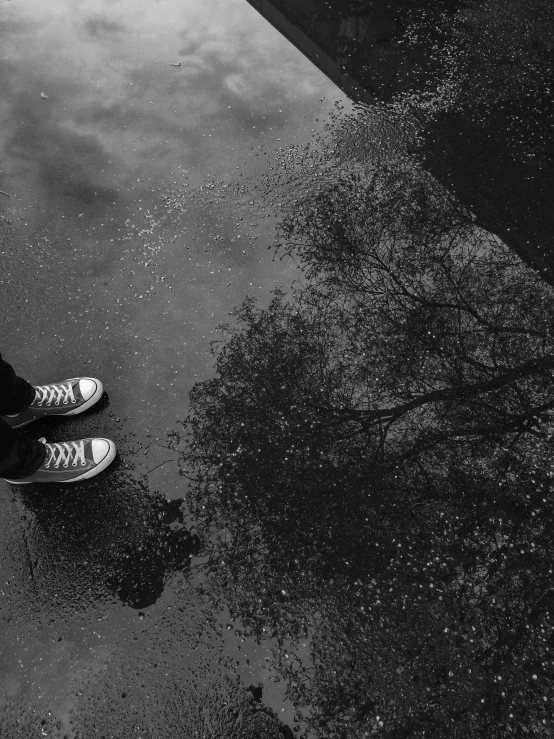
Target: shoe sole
(94, 398)
(100, 467)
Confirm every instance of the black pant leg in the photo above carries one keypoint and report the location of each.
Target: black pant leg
(16, 394)
(20, 455)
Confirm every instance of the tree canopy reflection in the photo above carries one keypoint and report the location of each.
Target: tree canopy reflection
(377, 448)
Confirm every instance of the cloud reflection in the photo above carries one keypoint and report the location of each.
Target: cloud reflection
(89, 167)
(67, 162)
(115, 104)
(100, 25)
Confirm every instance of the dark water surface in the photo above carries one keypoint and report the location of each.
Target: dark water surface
(111, 114)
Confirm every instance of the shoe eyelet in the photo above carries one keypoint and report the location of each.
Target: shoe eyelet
(83, 464)
(65, 402)
(66, 465)
(74, 464)
(57, 402)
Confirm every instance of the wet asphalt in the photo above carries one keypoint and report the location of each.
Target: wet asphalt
(125, 130)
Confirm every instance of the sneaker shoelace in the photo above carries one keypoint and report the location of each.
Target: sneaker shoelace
(64, 452)
(54, 393)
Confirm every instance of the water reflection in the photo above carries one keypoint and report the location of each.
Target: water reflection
(377, 449)
(408, 549)
(478, 86)
(107, 110)
(377, 444)
(88, 165)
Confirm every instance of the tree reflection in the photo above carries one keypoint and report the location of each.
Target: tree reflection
(376, 449)
(476, 76)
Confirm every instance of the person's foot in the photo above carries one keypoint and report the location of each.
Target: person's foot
(71, 461)
(66, 398)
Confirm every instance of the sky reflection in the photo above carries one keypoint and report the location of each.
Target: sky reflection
(98, 125)
(112, 269)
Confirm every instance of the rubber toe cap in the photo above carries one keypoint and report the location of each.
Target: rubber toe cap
(101, 448)
(87, 387)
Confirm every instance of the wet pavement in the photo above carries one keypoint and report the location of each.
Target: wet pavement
(351, 535)
(103, 140)
(125, 243)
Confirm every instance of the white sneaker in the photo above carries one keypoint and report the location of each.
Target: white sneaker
(66, 398)
(71, 461)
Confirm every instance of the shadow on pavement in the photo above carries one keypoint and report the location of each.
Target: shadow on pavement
(106, 535)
